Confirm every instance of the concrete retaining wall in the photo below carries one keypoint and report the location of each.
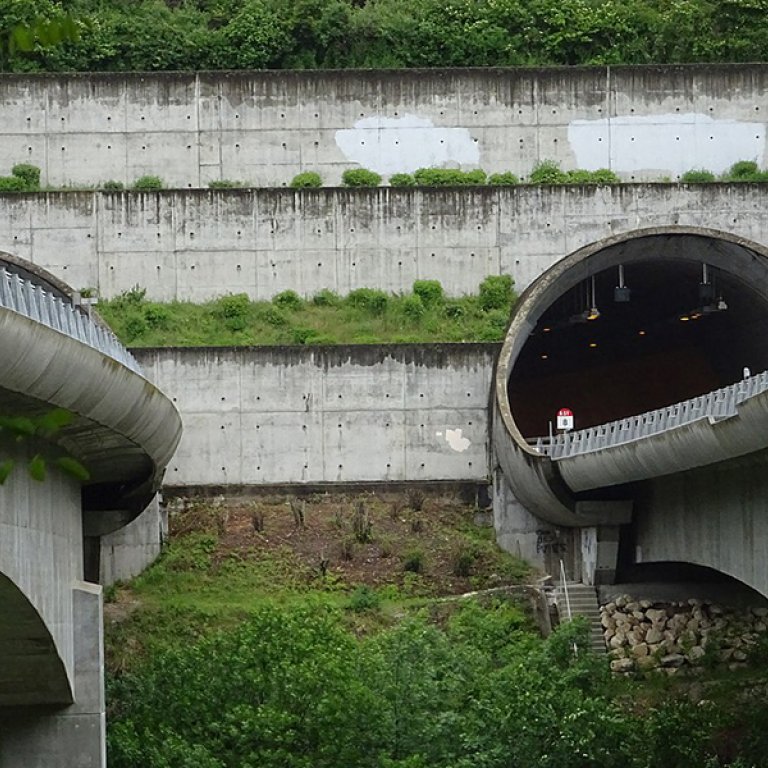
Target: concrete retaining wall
(254, 416)
(197, 245)
(264, 127)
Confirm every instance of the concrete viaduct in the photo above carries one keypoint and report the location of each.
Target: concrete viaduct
(123, 430)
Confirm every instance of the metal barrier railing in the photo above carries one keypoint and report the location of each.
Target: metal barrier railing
(34, 302)
(719, 404)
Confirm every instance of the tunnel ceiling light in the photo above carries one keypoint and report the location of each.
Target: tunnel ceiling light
(592, 344)
(684, 318)
(546, 329)
(706, 288)
(621, 294)
(545, 357)
(593, 312)
(641, 333)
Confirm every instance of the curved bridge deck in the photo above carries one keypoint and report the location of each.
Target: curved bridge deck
(33, 301)
(719, 404)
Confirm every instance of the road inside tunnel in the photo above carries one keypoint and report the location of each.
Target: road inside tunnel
(683, 328)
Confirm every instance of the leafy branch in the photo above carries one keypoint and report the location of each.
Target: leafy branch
(44, 428)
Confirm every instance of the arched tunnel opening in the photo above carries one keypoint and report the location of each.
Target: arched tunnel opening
(639, 325)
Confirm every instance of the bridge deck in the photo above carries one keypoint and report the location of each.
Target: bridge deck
(717, 405)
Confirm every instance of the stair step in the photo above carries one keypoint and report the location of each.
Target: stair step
(581, 600)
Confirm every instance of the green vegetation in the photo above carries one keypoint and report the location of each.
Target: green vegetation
(41, 432)
(549, 172)
(360, 177)
(364, 316)
(307, 180)
(745, 170)
(226, 184)
(148, 183)
(254, 642)
(402, 180)
(698, 176)
(438, 177)
(112, 35)
(113, 186)
(506, 179)
(23, 178)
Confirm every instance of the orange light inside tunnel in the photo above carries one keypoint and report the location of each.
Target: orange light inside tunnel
(592, 344)
(684, 318)
(641, 333)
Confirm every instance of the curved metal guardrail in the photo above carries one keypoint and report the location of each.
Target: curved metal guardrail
(719, 404)
(34, 302)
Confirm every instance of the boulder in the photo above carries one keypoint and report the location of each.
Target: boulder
(673, 660)
(647, 662)
(696, 653)
(608, 621)
(760, 612)
(656, 615)
(641, 649)
(653, 636)
(622, 666)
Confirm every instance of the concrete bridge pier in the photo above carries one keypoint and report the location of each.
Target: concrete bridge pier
(72, 736)
(589, 553)
(123, 430)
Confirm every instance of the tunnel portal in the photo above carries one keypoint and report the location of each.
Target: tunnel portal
(640, 325)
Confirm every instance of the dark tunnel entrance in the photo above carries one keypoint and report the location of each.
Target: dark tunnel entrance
(686, 325)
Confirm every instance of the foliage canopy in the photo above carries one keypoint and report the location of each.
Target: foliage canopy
(151, 35)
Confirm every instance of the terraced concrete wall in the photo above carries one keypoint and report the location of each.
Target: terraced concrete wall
(264, 127)
(198, 244)
(285, 415)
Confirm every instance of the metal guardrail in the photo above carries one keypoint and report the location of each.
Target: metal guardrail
(34, 302)
(719, 404)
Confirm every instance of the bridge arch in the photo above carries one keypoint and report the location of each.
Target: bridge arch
(31, 670)
(682, 280)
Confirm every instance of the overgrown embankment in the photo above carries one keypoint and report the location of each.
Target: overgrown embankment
(364, 316)
(309, 633)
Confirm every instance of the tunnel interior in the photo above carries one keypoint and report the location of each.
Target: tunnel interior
(685, 325)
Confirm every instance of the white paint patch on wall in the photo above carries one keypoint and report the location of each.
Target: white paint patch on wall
(454, 438)
(403, 144)
(670, 143)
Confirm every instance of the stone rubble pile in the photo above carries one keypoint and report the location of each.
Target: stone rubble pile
(642, 635)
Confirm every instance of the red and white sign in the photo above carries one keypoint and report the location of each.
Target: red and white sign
(565, 419)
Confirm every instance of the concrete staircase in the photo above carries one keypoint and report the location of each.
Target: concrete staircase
(583, 602)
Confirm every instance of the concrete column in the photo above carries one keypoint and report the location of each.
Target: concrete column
(540, 543)
(599, 554)
(125, 553)
(75, 736)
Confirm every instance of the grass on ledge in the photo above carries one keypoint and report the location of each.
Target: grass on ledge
(364, 316)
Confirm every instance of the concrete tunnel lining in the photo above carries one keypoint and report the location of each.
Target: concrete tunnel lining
(535, 480)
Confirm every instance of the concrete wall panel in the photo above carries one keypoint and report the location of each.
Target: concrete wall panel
(199, 244)
(264, 127)
(334, 414)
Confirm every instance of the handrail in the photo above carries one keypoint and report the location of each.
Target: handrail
(564, 583)
(33, 301)
(716, 405)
